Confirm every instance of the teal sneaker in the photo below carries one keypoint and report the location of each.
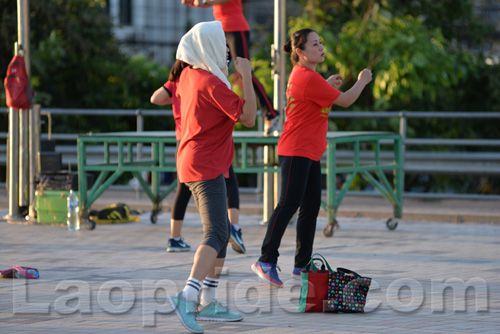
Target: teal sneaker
(186, 311)
(215, 311)
(236, 240)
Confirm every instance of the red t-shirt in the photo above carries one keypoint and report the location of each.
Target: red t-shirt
(309, 100)
(209, 111)
(231, 16)
(176, 105)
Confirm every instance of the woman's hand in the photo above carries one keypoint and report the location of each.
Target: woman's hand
(335, 80)
(243, 66)
(365, 76)
(349, 97)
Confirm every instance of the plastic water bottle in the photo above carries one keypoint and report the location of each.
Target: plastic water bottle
(73, 212)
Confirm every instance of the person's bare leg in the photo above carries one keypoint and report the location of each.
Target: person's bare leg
(175, 227)
(236, 240)
(216, 270)
(234, 215)
(175, 243)
(205, 261)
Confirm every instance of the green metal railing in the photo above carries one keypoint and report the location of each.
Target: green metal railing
(247, 160)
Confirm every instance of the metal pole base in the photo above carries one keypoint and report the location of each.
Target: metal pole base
(19, 220)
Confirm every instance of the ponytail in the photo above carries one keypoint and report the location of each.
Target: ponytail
(176, 69)
(288, 47)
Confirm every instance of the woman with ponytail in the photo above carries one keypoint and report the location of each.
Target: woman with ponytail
(300, 147)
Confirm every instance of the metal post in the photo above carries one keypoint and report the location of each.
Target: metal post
(13, 158)
(279, 75)
(271, 180)
(18, 186)
(34, 144)
(22, 36)
(23, 32)
(279, 79)
(402, 131)
(23, 158)
(140, 128)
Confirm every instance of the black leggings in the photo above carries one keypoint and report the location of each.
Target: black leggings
(238, 42)
(183, 195)
(300, 189)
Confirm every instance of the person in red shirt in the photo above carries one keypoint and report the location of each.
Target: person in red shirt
(300, 147)
(237, 31)
(209, 111)
(164, 95)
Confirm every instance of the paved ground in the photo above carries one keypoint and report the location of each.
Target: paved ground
(424, 210)
(428, 276)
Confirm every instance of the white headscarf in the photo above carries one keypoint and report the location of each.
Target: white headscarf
(204, 46)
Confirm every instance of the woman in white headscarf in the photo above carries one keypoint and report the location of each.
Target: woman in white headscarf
(209, 110)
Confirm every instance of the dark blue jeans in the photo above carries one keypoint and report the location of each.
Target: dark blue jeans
(300, 190)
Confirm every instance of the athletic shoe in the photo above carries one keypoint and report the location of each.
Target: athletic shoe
(267, 271)
(177, 246)
(296, 272)
(215, 311)
(236, 240)
(186, 311)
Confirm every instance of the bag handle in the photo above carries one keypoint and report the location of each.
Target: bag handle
(313, 267)
(348, 272)
(322, 260)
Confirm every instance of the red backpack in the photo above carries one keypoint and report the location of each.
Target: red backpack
(17, 85)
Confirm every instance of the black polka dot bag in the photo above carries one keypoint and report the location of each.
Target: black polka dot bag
(347, 291)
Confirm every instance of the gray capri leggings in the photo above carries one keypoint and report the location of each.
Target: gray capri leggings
(210, 198)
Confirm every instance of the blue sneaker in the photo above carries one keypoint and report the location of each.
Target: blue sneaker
(186, 311)
(267, 271)
(296, 272)
(177, 246)
(215, 311)
(236, 240)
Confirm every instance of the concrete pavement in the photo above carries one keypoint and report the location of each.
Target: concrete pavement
(428, 276)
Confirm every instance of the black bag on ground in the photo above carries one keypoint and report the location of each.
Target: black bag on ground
(113, 214)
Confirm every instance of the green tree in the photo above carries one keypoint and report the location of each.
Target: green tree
(425, 55)
(76, 63)
(457, 20)
(416, 67)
